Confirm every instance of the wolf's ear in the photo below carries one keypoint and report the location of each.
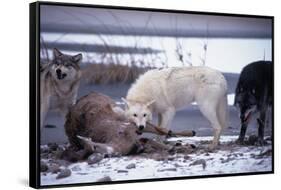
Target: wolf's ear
(77, 58)
(56, 52)
(127, 103)
(149, 103)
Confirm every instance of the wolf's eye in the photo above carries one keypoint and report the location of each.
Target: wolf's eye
(135, 115)
(57, 63)
(68, 66)
(144, 115)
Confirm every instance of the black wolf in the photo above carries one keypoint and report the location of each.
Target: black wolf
(253, 94)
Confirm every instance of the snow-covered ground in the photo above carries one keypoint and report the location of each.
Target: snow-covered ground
(228, 158)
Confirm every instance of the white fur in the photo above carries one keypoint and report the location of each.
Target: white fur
(172, 89)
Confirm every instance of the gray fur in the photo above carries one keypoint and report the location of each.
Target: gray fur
(59, 83)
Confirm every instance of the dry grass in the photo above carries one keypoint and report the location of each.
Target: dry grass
(111, 73)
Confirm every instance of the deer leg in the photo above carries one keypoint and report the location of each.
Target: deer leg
(96, 147)
(150, 128)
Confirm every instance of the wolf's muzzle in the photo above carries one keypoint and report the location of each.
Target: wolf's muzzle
(141, 127)
(60, 75)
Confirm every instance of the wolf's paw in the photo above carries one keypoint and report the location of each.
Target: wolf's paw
(240, 142)
(212, 147)
(261, 142)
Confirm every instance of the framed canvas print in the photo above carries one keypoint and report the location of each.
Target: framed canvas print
(120, 94)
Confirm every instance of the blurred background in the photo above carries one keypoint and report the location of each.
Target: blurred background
(119, 45)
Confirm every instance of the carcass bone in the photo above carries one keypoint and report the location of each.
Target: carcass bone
(150, 128)
(91, 146)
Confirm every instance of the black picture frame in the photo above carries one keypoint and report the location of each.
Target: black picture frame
(34, 97)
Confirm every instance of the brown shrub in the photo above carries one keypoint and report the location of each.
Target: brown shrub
(111, 73)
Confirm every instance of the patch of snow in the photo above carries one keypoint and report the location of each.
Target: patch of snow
(119, 103)
(230, 99)
(236, 159)
(196, 140)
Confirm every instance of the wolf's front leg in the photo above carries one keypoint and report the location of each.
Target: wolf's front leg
(242, 134)
(261, 122)
(167, 118)
(217, 134)
(44, 107)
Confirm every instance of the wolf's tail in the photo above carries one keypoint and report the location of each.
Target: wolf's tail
(222, 112)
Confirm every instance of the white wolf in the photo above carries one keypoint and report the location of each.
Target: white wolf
(168, 90)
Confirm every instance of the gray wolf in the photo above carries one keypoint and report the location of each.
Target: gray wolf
(59, 83)
(253, 95)
(168, 90)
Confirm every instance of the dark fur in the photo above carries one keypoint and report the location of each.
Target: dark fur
(254, 88)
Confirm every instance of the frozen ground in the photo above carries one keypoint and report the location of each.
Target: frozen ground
(228, 158)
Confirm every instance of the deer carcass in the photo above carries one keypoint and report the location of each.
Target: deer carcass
(94, 124)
